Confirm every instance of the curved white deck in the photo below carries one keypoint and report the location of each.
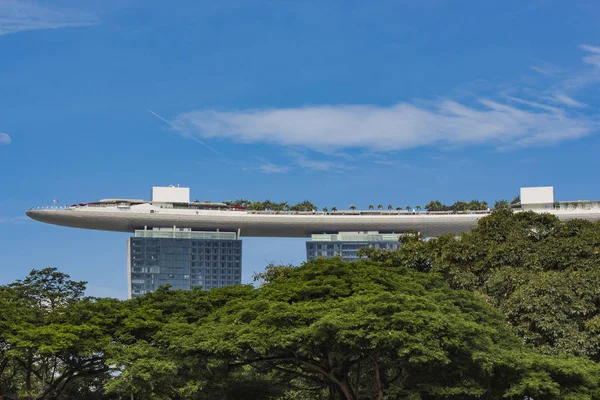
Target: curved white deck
(268, 225)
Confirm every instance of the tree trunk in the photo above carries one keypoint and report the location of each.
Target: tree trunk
(357, 384)
(28, 375)
(344, 392)
(345, 388)
(380, 395)
(332, 392)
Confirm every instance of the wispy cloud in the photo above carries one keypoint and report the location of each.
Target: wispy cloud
(546, 68)
(396, 127)
(585, 77)
(4, 138)
(267, 167)
(305, 162)
(22, 15)
(566, 100)
(591, 49)
(537, 118)
(594, 57)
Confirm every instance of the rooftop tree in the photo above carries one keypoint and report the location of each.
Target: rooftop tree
(501, 205)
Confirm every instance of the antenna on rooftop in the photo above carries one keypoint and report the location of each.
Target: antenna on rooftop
(54, 201)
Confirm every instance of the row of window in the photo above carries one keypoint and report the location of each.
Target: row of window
(352, 246)
(185, 243)
(170, 259)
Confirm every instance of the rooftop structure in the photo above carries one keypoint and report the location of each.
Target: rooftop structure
(170, 207)
(170, 194)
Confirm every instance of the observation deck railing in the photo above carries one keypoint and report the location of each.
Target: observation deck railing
(123, 207)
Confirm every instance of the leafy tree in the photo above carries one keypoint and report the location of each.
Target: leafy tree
(501, 205)
(477, 205)
(541, 273)
(435, 205)
(364, 330)
(460, 206)
(303, 206)
(51, 337)
(324, 330)
(154, 361)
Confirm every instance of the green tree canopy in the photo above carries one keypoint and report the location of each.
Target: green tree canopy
(435, 205)
(501, 205)
(541, 273)
(330, 329)
(51, 337)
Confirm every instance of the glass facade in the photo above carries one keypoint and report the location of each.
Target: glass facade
(183, 260)
(348, 245)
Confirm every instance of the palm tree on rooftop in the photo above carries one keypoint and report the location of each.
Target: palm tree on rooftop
(371, 206)
(390, 207)
(398, 208)
(418, 208)
(353, 207)
(380, 206)
(334, 208)
(325, 209)
(407, 208)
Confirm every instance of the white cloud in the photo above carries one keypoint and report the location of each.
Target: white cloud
(318, 165)
(267, 167)
(538, 116)
(4, 138)
(594, 58)
(22, 15)
(591, 49)
(566, 100)
(546, 68)
(396, 127)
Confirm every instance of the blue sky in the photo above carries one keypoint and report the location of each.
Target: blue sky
(338, 102)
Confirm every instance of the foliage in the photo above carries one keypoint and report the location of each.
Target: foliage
(51, 337)
(541, 273)
(428, 321)
(436, 205)
(501, 205)
(272, 206)
(330, 329)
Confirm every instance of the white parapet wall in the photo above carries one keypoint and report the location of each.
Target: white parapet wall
(170, 194)
(537, 195)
